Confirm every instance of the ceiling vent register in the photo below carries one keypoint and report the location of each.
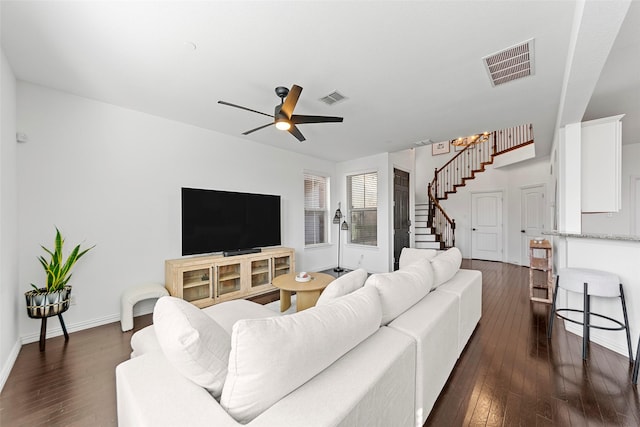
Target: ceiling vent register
(510, 64)
(333, 97)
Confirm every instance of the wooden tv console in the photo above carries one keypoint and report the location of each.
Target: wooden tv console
(208, 280)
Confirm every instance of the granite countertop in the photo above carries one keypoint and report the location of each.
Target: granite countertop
(621, 237)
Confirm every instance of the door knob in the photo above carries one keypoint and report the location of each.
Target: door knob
(473, 229)
(522, 231)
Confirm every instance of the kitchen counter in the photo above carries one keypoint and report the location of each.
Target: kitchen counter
(620, 237)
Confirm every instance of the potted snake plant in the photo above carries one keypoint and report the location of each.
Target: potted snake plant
(54, 298)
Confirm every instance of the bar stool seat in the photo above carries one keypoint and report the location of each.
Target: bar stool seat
(590, 283)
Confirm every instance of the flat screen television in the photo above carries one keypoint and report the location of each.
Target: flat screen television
(215, 221)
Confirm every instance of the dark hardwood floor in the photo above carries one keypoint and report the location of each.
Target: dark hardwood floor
(508, 375)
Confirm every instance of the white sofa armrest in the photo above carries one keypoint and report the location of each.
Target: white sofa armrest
(150, 392)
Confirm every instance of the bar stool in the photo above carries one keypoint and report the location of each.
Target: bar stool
(636, 365)
(589, 283)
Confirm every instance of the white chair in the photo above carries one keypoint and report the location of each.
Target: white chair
(589, 283)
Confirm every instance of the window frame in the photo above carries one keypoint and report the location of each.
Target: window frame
(351, 210)
(325, 210)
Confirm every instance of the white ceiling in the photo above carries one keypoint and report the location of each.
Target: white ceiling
(412, 71)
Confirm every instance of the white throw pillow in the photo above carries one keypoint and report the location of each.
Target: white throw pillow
(272, 357)
(343, 285)
(401, 289)
(410, 255)
(193, 342)
(446, 265)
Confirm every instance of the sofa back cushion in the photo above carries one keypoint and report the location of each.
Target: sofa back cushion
(343, 285)
(272, 357)
(403, 288)
(192, 342)
(446, 265)
(410, 255)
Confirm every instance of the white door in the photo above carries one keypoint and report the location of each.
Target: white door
(532, 218)
(486, 226)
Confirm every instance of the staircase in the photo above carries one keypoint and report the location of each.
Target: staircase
(424, 234)
(463, 167)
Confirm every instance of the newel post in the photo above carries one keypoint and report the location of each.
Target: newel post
(453, 232)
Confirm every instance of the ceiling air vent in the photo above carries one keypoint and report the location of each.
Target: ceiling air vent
(510, 64)
(333, 97)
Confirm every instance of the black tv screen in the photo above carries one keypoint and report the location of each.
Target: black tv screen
(215, 221)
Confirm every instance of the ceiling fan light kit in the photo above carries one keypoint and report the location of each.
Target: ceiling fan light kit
(283, 117)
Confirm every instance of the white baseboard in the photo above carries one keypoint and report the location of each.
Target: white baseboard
(54, 329)
(604, 341)
(8, 366)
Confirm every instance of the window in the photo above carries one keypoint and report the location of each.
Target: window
(362, 191)
(315, 209)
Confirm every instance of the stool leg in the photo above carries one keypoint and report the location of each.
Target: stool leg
(553, 310)
(626, 324)
(43, 333)
(64, 328)
(636, 365)
(586, 322)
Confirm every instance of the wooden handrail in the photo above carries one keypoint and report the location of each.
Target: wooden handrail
(463, 166)
(444, 226)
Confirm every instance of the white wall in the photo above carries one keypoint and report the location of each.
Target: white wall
(9, 295)
(619, 222)
(373, 259)
(110, 176)
(508, 179)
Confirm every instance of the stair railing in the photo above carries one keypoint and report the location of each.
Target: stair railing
(463, 166)
(440, 222)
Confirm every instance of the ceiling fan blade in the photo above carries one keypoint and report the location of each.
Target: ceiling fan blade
(243, 108)
(298, 119)
(258, 128)
(293, 130)
(291, 101)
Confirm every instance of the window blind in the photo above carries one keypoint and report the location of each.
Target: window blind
(315, 209)
(363, 208)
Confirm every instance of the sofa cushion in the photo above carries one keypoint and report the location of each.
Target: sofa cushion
(272, 357)
(410, 255)
(446, 265)
(193, 342)
(343, 285)
(229, 312)
(225, 315)
(144, 341)
(403, 288)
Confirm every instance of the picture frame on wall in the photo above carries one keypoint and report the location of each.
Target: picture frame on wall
(438, 148)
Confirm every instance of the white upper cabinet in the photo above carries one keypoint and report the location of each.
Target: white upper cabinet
(601, 176)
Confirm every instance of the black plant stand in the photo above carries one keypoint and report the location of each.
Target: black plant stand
(43, 331)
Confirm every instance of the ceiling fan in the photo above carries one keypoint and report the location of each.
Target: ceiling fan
(283, 116)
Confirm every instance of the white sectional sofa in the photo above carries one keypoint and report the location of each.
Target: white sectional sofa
(374, 351)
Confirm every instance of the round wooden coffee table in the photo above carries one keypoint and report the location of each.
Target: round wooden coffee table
(307, 292)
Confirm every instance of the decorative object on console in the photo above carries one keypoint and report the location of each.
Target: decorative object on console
(55, 298)
(336, 220)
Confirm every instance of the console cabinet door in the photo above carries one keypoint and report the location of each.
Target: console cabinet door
(228, 280)
(195, 285)
(260, 274)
